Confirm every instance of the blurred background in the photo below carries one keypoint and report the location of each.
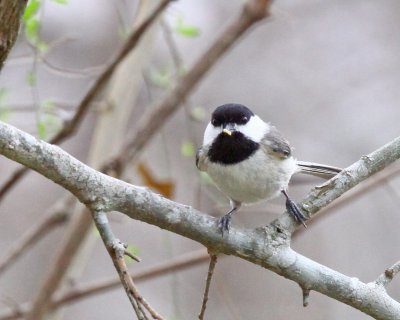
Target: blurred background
(326, 73)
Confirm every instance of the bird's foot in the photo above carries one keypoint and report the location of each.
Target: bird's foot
(224, 223)
(295, 212)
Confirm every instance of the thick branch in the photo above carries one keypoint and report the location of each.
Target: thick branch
(72, 124)
(322, 195)
(268, 247)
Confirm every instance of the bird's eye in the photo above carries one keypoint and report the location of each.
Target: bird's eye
(215, 122)
(245, 119)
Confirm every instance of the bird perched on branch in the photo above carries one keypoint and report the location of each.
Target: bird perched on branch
(249, 160)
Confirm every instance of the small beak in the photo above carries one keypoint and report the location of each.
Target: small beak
(229, 128)
(228, 132)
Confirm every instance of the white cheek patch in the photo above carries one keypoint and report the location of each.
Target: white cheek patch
(210, 134)
(255, 128)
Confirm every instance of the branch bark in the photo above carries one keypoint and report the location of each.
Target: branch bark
(10, 16)
(253, 11)
(268, 247)
(72, 124)
(80, 292)
(103, 144)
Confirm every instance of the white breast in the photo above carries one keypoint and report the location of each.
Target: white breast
(260, 177)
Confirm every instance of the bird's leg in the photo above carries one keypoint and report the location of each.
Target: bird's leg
(294, 210)
(224, 222)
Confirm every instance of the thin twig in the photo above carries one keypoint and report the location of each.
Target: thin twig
(33, 235)
(117, 250)
(253, 11)
(177, 264)
(369, 184)
(131, 255)
(268, 246)
(385, 278)
(74, 238)
(41, 302)
(78, 293)
(211, 267)
(72, 124)
(306, 295)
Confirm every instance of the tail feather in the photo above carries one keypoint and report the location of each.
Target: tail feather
(316, 169)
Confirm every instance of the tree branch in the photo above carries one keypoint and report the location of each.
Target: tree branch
(268, 247)
(211, 267)
(10, 16)
(385, 278)
(55, 217)
(82, 291)
(253, 11)
(116, 250)
(72, 124)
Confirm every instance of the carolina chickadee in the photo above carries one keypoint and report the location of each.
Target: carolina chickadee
(249, 160)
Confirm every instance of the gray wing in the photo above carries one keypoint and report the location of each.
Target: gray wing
(275, 144)
(201, 156)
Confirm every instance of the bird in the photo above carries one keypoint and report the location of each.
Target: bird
(249, 160)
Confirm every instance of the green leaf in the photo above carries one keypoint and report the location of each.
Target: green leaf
(31, 10)
(32, 30)
(186, 30)
(188, 149)
(162, 78)
(42, 131)
(60, 1)
(132, 249)
(51, 122)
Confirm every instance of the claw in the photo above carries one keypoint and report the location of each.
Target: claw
(224, 223)
(294, 210)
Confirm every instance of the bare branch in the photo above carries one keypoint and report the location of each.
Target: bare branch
(179, 263)
(306, 295)
(53, 219)
(211, 267)
(116, 250)
(385, 278)
(131, 255)
(72, 124)
(80, 292)
(129, 45)
(322, 195)
(253, 11)
(54, 276)
(268, 247)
